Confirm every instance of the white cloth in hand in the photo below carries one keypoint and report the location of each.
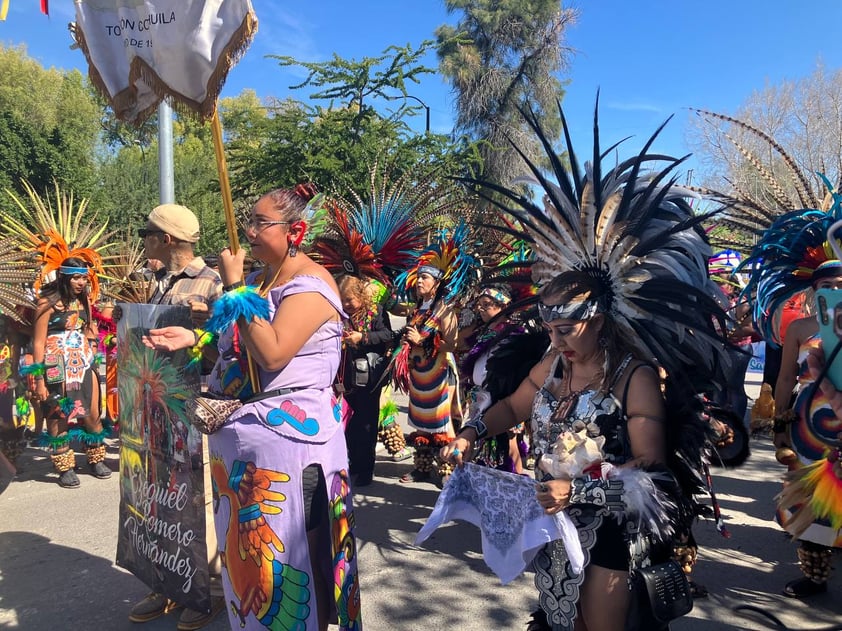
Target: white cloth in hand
(513, 525)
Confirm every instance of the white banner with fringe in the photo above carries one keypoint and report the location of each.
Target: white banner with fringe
(141, 51)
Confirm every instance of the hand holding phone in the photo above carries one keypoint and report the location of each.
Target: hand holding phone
(829, 315)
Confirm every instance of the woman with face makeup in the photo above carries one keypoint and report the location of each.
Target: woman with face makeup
(622, 271)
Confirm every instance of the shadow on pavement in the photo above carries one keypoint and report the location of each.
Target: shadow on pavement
(438, 581)
(752, 566)
(72, 589)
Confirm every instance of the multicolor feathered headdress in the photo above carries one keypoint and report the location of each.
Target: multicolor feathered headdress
(447, 259)
(59, 233)
(510, 264)
(382, 236)
(343, 249)
(635, 235)
(790, 256)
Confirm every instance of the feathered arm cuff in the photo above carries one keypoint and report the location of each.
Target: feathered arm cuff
(203, 338)
(36, 370)
(243, 302)
(628, 493)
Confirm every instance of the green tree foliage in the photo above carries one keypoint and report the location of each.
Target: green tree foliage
(49, 127)
(129, 168)
(503, 55)
(335, 144)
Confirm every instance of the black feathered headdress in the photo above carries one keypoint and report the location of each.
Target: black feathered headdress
(631, 231)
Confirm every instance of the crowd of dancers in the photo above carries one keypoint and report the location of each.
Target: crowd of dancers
(575, 313)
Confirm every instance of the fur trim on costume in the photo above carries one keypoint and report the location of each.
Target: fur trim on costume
(243, 302)
(91, 438)
(36, 370)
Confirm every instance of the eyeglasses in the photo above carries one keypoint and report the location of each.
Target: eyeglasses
(485, 305)
(259, 225)
(143, 232)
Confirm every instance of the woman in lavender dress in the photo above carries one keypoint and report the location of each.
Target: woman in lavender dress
(279, 465)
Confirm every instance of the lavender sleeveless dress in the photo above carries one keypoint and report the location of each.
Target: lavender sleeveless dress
(257, 460)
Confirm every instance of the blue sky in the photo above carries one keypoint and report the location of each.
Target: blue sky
(649, 58)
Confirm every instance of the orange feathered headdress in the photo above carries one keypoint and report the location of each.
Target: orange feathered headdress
(54, 251)
(53, 228)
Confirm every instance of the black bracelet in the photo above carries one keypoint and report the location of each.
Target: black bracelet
(233, 286)
(478, 425)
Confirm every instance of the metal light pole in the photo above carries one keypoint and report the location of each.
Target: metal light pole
(423, 104)
(166, 177)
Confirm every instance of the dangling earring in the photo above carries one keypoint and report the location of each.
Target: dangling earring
(603, 342)
(293, 249)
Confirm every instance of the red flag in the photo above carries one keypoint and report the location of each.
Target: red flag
(45, 7)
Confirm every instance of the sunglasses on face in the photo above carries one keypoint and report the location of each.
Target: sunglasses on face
(143, 232)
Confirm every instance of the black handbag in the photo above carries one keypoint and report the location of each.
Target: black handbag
(367, 370)
(663, 592)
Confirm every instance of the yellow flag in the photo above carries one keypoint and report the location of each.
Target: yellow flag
(4, 9)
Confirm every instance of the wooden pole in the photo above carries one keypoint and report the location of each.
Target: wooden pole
(230, 220)
(224, 184)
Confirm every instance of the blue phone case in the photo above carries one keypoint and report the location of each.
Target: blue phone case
(827, 301)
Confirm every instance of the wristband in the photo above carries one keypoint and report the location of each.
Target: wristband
(233, 286)
(478, 425)
(780, 421)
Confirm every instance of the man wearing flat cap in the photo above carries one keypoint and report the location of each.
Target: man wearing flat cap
(169, 236)
(184, 279)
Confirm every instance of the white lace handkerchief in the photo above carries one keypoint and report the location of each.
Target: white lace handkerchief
(513, 525)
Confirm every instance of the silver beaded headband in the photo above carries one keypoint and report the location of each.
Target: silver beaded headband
(568, 311)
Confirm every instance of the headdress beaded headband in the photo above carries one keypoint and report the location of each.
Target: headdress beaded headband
(568, 311)
(432, 271)
(496, 295)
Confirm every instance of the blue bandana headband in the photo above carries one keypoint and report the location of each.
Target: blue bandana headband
(568, 311)
(70, 271)
(435, 272)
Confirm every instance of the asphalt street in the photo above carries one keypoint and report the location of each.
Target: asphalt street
(57, 551)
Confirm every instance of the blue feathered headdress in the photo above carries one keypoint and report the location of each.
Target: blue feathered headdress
(783, 261)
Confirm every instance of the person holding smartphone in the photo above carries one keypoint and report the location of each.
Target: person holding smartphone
(795, 257)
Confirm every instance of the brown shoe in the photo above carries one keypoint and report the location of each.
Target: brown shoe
(151, 607)
(191, 619)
